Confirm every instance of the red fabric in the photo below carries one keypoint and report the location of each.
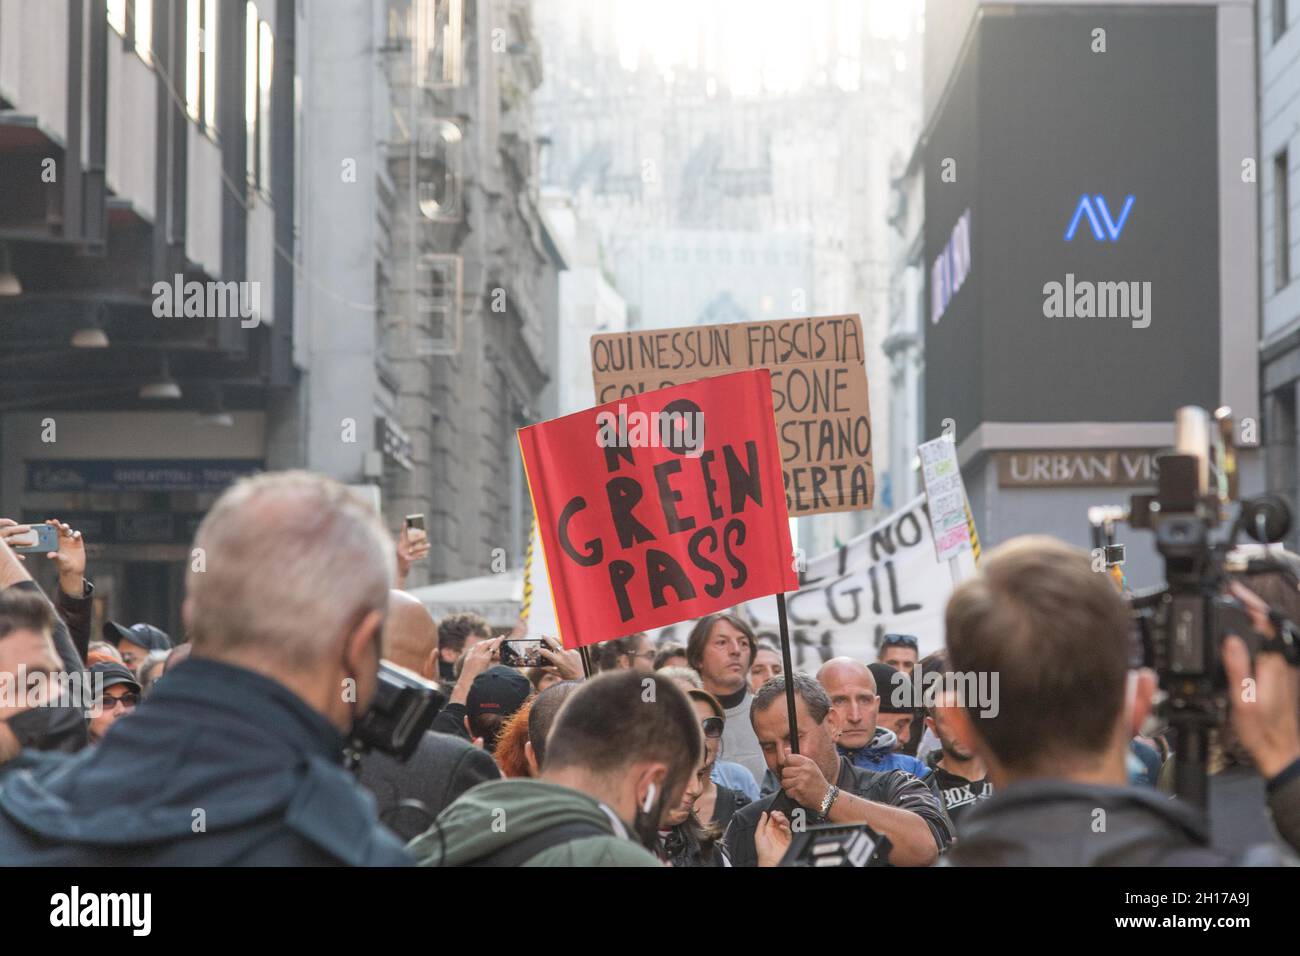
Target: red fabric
(726, 547)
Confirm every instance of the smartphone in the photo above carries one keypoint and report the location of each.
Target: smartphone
(415, 521)
(47, 539)
(527, 653)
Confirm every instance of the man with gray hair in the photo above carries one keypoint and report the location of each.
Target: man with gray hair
(237, 758)
(820, 786)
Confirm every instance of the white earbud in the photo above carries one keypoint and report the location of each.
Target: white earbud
(651, 792)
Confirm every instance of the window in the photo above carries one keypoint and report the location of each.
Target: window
(438, 167)
(201, 62)
(1281, 222)
(1279, 19)
(437, 36)
(265, 66)
(133, 19)
(259, 62)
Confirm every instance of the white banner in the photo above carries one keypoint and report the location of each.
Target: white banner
(886, 580)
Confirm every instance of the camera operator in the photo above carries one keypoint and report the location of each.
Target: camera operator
(1265, 708)
(1057, 634)
(236, 759)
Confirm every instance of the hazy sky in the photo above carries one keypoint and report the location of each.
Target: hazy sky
(757, 45)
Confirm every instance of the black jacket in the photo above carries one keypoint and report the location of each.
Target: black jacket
(410, 795)
(1058, 823)
(218, 766)
(891, 787)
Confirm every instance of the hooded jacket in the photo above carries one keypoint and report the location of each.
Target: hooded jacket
(880, 755)
(219, 766)
(1059, 823)
(499, 813)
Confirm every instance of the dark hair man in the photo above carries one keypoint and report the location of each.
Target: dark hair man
(958, 773)
(721, 648)
(767, 664)
(456, 634)
(900, 651)
(857, 702)
(137, 642)
(34, 638)
(620, 751)
(26, 647)
(237, 758)
(671, 654)
(1056, 633)
(633, 652)
(541, 717)
(819, 785)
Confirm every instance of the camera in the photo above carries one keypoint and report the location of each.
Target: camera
(403, 709)
(835, 844)
(1179, 629)
(523, 653)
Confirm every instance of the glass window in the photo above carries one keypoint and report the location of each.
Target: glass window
(250, 89)
(143, 29)
(265, 68)
(201, 62)
(1281, 222)
(210, 63)
(117, 15)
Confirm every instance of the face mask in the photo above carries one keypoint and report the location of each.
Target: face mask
(50, 728)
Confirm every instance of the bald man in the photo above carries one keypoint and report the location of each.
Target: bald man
(444, 766)
(856, 703)
(410, 634)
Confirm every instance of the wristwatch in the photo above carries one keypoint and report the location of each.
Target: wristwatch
(831, 793)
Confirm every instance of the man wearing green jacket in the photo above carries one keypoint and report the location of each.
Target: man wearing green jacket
(621, 750)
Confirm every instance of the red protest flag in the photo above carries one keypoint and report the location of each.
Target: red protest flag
(660, 507)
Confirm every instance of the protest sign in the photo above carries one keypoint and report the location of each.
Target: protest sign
(659, 507)
(887, 580)
(946, 496)
(819, 393)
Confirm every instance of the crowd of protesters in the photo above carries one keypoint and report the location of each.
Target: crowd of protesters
(231, 746)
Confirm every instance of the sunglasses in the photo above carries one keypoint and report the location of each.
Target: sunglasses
(712, 726)
(126, 700)
(900, 640)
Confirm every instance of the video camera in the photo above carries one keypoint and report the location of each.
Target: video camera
(404, 707)
(1181, 627)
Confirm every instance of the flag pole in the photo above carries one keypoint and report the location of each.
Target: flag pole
(789, 672)
(586, 661)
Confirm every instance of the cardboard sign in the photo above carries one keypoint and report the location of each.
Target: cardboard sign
(887, 580)
(819, 393)
(659, 507)
(947, 497)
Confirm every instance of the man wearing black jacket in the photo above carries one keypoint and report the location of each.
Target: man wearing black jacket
(821, 786)
(1056, 633)
(236, 758)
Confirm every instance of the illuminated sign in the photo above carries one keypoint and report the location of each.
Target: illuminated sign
(1098, 214)
(950, 268)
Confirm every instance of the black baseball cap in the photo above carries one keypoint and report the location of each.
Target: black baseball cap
(113, 674)
(142, 635)
(498, 690)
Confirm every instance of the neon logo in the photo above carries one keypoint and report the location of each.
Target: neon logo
(1098, 213)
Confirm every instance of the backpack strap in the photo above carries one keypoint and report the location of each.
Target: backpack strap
(520, 852)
